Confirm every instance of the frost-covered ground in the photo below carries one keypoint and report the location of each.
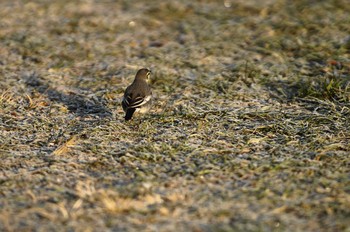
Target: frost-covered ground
(249, 130)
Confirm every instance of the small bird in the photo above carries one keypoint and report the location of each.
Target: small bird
(137, 96)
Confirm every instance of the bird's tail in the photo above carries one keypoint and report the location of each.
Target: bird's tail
(129, 114)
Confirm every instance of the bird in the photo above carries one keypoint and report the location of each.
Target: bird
(137, 96)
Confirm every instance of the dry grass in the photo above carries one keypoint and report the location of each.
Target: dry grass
(249, 131)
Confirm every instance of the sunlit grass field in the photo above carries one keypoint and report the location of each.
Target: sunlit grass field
(249, 129)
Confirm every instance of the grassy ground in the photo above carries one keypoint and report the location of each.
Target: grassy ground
(249, 131)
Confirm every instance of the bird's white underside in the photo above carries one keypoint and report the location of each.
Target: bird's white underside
(141, 108)
(144, 109)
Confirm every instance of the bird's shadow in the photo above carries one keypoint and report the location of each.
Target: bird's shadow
(76, 102)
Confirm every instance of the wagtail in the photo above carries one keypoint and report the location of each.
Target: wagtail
(137, 96)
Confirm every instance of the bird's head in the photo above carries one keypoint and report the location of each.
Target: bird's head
(144, 74)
